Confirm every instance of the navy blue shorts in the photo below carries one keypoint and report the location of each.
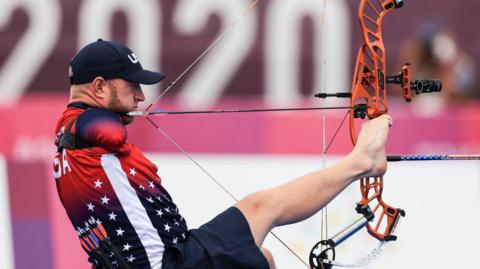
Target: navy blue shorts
(225, 242)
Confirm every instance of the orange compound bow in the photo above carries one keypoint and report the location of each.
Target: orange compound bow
(369, 99)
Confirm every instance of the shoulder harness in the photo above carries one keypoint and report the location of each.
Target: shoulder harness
(69, 140)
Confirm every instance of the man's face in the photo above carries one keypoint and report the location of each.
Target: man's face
(124, 97)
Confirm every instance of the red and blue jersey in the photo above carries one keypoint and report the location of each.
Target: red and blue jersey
(114, 183)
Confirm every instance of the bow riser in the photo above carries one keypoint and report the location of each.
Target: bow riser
(369, 92)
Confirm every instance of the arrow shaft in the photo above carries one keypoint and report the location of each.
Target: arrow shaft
(141, 113)
(411, 158)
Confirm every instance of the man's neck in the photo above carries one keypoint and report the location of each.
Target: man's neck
(81, 94)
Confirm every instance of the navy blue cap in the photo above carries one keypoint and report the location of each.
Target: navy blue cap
(109, 59)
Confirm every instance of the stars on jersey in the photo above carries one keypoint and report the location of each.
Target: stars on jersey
(98, 184)
(120, 231)
(95, 199)
(159, 212)
(130, 258)
(167, 227)
(90, 206)
(112, 216)
(126, 247)
(105, 200)
(164, 214)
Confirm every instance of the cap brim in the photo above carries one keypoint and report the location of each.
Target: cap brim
(145, 77)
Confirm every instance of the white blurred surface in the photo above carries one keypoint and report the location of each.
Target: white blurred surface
(6, 244)
(442, 201)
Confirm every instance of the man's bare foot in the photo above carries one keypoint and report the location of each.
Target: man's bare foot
(370, 147)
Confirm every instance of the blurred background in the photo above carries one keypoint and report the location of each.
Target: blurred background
(278, 55)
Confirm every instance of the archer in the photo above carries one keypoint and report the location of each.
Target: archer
(118, 206)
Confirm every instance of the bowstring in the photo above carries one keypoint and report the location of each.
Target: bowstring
(213, 44)
(217, 182)
(324, 211)
(173, 83)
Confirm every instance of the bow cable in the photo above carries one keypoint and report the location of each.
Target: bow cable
(173, 83)
(217, 182)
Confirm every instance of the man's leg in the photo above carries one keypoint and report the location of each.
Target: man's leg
(268, 255)
(306, 195)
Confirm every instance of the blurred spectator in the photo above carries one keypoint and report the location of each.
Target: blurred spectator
(435, 54)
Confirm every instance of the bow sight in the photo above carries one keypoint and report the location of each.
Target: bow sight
(403, 79)
(418, 85)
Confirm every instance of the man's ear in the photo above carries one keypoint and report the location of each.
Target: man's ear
(99, 88)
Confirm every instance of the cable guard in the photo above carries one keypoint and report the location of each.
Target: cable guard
(323, 253)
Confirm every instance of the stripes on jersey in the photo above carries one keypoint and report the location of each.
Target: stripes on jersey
(134, 209)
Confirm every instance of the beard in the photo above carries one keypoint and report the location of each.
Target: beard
(116, 106)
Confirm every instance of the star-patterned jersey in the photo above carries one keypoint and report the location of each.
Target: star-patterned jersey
(114, 183)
